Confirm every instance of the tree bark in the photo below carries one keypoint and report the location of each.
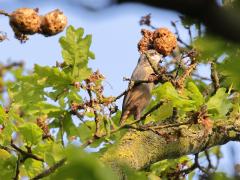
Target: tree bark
(139, 149)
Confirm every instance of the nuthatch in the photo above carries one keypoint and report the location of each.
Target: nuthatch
(139, 96)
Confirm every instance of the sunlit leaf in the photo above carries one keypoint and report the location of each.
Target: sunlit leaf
(76, 53)
(31, 133)
(219, 104)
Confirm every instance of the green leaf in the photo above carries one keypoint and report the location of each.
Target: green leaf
(83, 166)
(52, 77)
(210, 48)
(75, 52)
(168, 166)
(27, 91)
(219, 104)
(8, 167)
(163, 112)
(86, 130)
(229, 70)
(3, 115)
(43, 108)
(220, 176)
(168, 92)
(91, 55)
(195, 94)
(4, 154)
(33, 167)
(50, 151)
(31, 133)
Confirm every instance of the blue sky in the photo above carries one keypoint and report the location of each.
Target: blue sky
(115, 31)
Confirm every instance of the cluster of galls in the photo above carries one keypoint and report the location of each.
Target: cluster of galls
(26, 21)
(162, 40)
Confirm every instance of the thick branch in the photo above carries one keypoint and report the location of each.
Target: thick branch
(139, 149)
(206, 11)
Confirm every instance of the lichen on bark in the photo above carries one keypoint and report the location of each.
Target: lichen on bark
(139, 149)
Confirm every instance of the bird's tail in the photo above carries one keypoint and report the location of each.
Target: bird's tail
(124, 116)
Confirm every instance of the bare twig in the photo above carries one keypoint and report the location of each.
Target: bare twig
(201, 77)
(5, 148)
(188, 71)
(96, 117)
(214, 77)
(61, 93)
(146, 20)
(16, 177)
(129, 125)
(171, 125)
(154, 67)
(50, 170)
(208, 159)
(80, 117)
(26, 154)
(130, 86)
(4, 13)
(61, 129)
(137, 82)
(198, 164)
(159, 71)
(178, 35)
(190, 34)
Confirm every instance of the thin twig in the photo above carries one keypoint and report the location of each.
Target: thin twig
(155, 69)
(146, 20)
(4, 13)
(96, 118)
(201, 77)
(16, 177)
(129, 125)
(198, 164)
(5, 148)
(80, 117)
(208, 159)
(171, 125)
(178, 35)
(162, 77)
(137, 82)
(61, 93)
(190, 34)
(214, 77)
(130, 86)
(61, 129)
(187, 73)
(50, 170)
(154, 108)
(26, 154)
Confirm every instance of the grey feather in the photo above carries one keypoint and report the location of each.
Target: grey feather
(136, 100)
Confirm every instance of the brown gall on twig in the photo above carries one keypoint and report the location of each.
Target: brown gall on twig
(162, 40)
(27, 21)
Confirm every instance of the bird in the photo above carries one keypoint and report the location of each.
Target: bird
(139, 96)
